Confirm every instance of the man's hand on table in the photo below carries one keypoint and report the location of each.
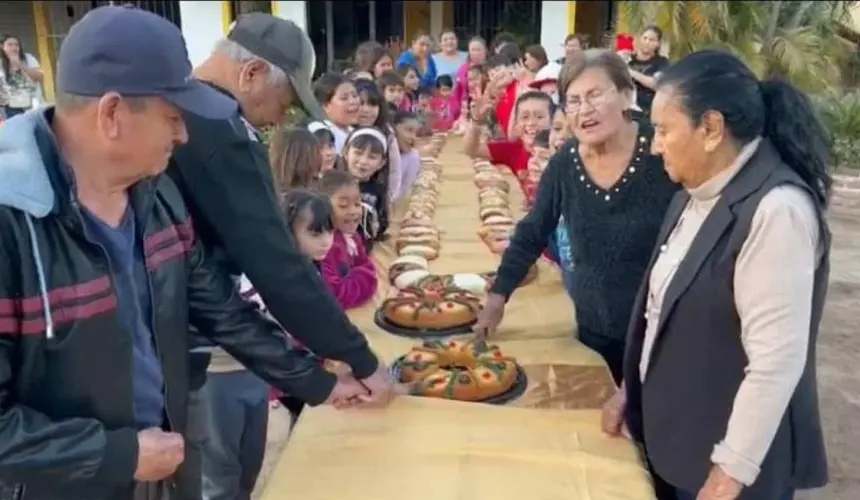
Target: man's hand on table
(382, 388)
(347, 392)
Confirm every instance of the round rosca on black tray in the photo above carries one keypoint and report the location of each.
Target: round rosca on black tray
(413, 333)
(516, 390)
(428, 299)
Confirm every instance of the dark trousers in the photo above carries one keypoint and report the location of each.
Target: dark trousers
(151, 491)
(237, 418)
(293, 405)
(611, 350)
(189, 481)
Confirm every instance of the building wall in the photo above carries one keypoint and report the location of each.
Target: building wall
(296, 12)
(202, 26)
(206, 22)
(555, 24)
(16, 18)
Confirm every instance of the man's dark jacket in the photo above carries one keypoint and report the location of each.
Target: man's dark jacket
(67, 420)
(225, 178)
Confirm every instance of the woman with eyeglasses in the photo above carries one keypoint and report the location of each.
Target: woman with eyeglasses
(612, 194)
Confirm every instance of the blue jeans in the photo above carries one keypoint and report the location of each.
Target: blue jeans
(237, 415)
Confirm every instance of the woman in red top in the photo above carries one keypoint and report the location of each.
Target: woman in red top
(477, 56)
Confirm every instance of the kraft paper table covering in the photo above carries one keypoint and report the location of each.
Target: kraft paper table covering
(550, 447)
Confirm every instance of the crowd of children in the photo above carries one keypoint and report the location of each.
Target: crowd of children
(338, 178)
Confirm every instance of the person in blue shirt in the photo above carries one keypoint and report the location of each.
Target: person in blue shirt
(420, 58)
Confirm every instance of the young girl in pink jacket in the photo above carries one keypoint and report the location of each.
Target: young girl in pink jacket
(346, 269)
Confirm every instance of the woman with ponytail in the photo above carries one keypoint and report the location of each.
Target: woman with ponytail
(719, 373)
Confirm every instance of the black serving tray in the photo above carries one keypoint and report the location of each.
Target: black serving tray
(516, 390)
(412, 333)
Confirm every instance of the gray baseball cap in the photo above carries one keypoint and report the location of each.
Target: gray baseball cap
(284, 44)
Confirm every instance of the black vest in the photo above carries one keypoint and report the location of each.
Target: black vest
(697, 363)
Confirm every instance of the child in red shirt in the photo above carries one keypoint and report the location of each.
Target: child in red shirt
(533, 112)
(439, 104)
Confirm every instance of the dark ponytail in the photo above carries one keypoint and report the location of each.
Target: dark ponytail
(718, 81)
(798, 135)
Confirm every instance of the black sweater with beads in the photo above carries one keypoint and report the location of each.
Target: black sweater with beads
(612, 233)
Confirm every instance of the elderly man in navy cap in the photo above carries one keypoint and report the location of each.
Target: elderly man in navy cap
(101, 272)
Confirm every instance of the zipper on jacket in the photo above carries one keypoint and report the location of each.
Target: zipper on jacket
(77, 209)
(152, 317)
(101, 247)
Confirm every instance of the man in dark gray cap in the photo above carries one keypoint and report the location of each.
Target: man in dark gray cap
(100, 272)
(265, 64)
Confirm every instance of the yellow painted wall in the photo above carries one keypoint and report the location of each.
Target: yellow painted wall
(447, 14)
(571, 17)
(416, 17)
(46, 48)
(227, 15)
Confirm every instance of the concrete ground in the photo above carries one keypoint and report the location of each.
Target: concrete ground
(838, 356)
(839, 348)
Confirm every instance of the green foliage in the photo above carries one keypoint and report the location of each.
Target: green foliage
(294, 116)
(841, 114)
(800, 41)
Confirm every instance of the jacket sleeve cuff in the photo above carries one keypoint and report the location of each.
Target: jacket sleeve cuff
(734, 464)
(119, 460)
(503, 287)
(317, 388)
(362, 361)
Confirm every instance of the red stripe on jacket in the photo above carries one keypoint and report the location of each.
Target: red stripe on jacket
(61, 316)
(167, 244)
(56, 297)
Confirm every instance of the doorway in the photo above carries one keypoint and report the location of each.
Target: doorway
(487, 19)
(337, 28)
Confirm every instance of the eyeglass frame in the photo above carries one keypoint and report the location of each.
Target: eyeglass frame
(590, 100)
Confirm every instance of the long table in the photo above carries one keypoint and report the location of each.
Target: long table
(545, 445)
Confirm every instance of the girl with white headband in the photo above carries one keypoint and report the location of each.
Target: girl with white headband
(364, 155)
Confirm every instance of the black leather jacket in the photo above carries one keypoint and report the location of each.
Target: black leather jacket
(67, 426)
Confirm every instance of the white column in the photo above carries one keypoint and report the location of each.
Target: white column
(437, 17)
(293, 11)
(553, 28)
(202, 26)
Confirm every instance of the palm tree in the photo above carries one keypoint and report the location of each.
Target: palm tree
(799, 41)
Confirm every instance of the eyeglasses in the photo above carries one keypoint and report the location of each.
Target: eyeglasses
(595, 99)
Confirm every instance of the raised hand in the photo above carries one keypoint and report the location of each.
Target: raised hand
(482, 105)
(159, 454)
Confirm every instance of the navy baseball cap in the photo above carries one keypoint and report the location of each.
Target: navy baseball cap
(282, 43)
(135, 53)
